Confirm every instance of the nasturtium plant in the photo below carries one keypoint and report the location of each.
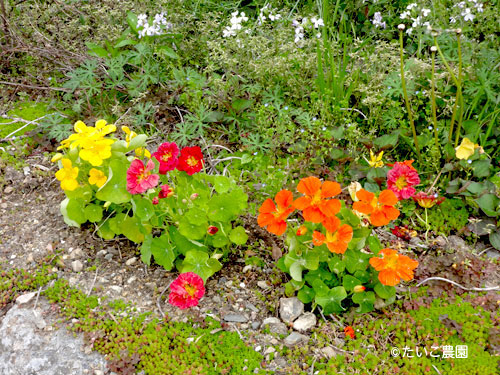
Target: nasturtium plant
(332, 257)
(180, 216)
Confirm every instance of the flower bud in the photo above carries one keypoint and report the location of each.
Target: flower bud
(155, 200)
(301, 231)
(56, 157)
(184, 201)
(193, 196)
(401, 26)
(212, 230)
(107, 204)
(434, 49)
(359, 289)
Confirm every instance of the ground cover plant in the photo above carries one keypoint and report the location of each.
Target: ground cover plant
(345, 145)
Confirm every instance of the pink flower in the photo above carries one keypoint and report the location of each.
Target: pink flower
(155, 200)
(165, 192)
(186, 290)
(139, 178)
(401, 179)
(428, 200)
(167, 156)
(190, 160)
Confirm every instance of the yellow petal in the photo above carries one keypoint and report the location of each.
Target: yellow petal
(69, 184)
(465, 150)
(56, 157)
(80, 127)
(100, 124)
(126, 129)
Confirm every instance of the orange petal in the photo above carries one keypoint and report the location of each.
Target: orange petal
(284, 198)
(331, 223)
(377, 263)
(277, 228)
(365, 195)
(330, 207)
(265, 219)
(337, 247)
(313, 214)
(388, 198)
(364, 208)
(309, 185)
(390, 212)
(267, 207)
(378, 219)
(388, 277)
(330, 189)
(345, 233)
(318, 238)
(387, 252)
(404, 274)
(302, 203)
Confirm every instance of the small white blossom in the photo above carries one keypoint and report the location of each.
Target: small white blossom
(467, 15)
(411, 6)
(426, 12)
(377, 20)
(404, 15)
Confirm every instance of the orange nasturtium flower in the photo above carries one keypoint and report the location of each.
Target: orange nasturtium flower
(337, 236)
(315, 205)
(349, 331)
(381, 211)
(393, 267)
(274, 215)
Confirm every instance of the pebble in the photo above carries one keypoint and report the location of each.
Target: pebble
(101, 253)
(252, 307)
(25, 298)
(247, 268)
(77, 253)
(258, 348)
(131, 261)
(255, 325)
(30, 258)
(262, 284)
(328, 352)
(77, 266)
(108, 257)
(131, 279)
(290, 309)
(235, 318)
(269, 350)
(116, 288)
(271, 320)
(9, 189)
(242, 285)
(228, 284)
(98, 372)
(151, 285)
(295, 338)
(4, 205)
(305, 322)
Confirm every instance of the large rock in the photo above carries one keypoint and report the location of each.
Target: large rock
(290, 309)
(305, 322)
(27, 347)
(295, 338)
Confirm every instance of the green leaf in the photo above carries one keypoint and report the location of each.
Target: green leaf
(481, 168)
(222, 184)
(125, 42)
(374, 244)
(336, 265)
(356, 261)
(73, 212)
(489, 203)
(84, 193)
(385, 291)
(93, 213)
(495, 239)
(365, 300)
(331, 302)
(132, 21)
(131, 228)
(115, 188)
(167, 51)
(387, 141)
(199, 263)
(306, 294)
(142, 207)
(182, 244)
(116, 223)
(222, 208)
(349, 217)
(105, 231)
(296, 271)
(96, 49)
(197, 216)
(238, 236)
(192, 231)
(349, 282)
(219, 239)
(162, 250)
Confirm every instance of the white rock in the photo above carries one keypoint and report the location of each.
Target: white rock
(247, 268)
(116, 288)
(305, 322)
(77, 253)
(295, 338)
(131, 279)
(290, 309)
(271, 320)
(25, 298)
(328, 352)
(77, 266)
(262, 284)
(131, 261)
(269, 350)
(258, 348)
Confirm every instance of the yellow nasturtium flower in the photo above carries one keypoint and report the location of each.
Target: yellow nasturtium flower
(97, 177)
(96, 150)
(67, 175)
(466, 149)
(129, 134)
(56, 157)
(376, 160)
(141, 152)
(103, 128)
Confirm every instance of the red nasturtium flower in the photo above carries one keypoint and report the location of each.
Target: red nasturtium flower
(393, 267)
(139, 177)
(349, 331)
(274, 215)
(301, 230)
(190, 160)
(402, 178)
(186, 290)
(315, 204)
(167, 156)
(337, 236)
(381, 211)
(427, 200)
(155, 200)
(212, 230)
(165, 192)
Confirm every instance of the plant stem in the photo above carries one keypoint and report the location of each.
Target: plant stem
(459, 91)
(407, 101)
(433, 98)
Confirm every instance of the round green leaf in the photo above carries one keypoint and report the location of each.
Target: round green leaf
(238, 236)
(93, 213)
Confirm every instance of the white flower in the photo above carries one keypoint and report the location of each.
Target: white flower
(318, 35)
(404, 15)
(425, 12)
(479, 7)
(468, 16)
(411, 6)
(453, 20)
(317, 22)
(461, 4)
(377, 20)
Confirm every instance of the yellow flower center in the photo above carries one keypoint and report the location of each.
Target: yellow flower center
(167, 156)
(190, 289)
(391, 262)
(401, 182)
(192, 161)
(316, 198)
(331, 237)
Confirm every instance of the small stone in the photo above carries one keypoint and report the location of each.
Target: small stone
(108, 257)
(9, 189)
(151, 285)
(244, 326)
(493, 254)
(116, 288)
(112, 250)
(98, 372)
(271, 320)
(255, 325)
(274, 341)
(262, 284)
(77, 266)
(26, 170)
(290, 309)
(40, 322)
(258, 348)
(101, 253)
(247, 268)
(252, 307)
(131, 279)
(77, 253)
(328, 352)
(242, 285)
(25, 298)
(4, 205)
(269, 350)
(305, 322)
(30, 258)
(228, 284)
(295, 338)
(235, 318)
(131, 261)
